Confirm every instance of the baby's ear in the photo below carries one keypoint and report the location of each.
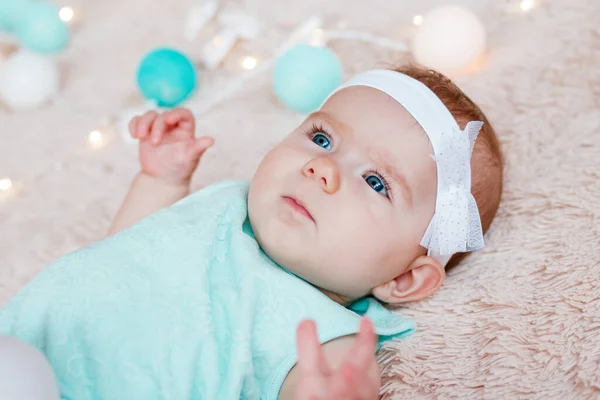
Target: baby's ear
(424, 276)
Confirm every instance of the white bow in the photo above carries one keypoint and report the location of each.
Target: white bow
(456, 224)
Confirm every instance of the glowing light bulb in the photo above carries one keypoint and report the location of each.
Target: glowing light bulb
(417, 20)
(5, 184)
(249, 62)
(526, 5)
(95, 138)
(318, 37)
(66, 14)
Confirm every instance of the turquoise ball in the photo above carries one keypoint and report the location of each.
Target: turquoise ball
(41, 30)
(11, 12)
(167, 77)
(305, 75)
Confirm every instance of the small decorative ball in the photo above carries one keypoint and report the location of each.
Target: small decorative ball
(305, 75)
(28, 80)
(167, 77)
(41, 29)
(11, 12)
(25, 359)
(450, 38)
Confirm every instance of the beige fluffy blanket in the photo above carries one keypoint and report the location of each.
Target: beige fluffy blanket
(520, 319)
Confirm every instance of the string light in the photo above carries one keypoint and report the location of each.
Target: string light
(5, 184)
(317, 37)
(249, 63)
(417, 20)
(95, 138)
(526, 5)
(66, 14)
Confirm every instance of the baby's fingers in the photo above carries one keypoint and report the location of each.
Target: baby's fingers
(145, 123)
(358, 376)
(364, 363)
(181, 117)
(363, 351)
(200, 145)
(158, 129)
(352, 383)
(343, 382)
(311, 359)
(311, 363)
(133, 127)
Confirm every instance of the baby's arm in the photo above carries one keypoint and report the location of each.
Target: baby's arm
(342, 369)
(169, 155)
(146, 195)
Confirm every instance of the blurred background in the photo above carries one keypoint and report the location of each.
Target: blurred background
(73, 72)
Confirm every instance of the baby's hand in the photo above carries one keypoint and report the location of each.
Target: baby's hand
(169, 149)
(357, 377)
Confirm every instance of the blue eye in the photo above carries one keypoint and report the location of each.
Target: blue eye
(377, 184)
(322, 141)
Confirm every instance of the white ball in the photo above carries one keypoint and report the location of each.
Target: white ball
(450, 38)
(24, 372)
(28, 80)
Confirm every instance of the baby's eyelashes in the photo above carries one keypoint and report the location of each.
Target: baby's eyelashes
(320, 136)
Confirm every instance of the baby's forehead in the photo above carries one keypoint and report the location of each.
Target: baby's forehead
(363, 107)
(375, 120)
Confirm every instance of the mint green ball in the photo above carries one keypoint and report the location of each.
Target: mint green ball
(167, 76)
(305, 75)
(41, 30)
(11, 12)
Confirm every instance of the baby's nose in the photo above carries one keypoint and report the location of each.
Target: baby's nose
(325, 171)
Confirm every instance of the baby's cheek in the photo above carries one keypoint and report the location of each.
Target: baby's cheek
(378, 213)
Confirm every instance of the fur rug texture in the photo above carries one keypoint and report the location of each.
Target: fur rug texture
(518, 320)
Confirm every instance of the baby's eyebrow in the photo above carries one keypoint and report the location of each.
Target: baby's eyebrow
(320, 115)
(338, 126)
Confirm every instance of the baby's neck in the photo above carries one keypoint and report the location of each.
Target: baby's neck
(344, 301)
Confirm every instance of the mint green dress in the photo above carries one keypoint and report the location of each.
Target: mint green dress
(182, 305)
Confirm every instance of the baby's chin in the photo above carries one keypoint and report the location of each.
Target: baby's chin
(296, 262)
(305, 264)
(281, 253)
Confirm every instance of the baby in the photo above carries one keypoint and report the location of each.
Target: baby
(218, 294)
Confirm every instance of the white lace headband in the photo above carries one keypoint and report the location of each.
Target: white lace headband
(456, 224)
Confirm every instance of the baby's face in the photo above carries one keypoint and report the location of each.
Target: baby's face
(345, 199)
